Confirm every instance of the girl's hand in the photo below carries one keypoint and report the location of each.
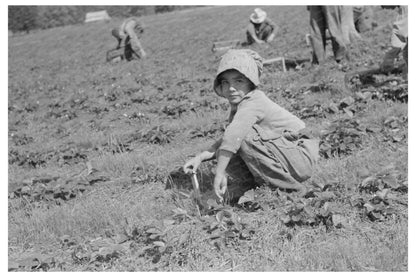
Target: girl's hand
(220, 181)
(220, 185)
(192, 165)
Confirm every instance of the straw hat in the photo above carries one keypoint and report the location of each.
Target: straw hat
(258, 16)
(246, 61)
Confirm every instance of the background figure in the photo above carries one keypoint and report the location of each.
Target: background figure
(348, 28)
(363, 18)
(129, 32)
(399, 40)
(322, 18)
(261, 29)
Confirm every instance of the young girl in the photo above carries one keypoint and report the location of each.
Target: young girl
(262, 143)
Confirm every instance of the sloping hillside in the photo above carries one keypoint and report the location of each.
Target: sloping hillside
(91, 146)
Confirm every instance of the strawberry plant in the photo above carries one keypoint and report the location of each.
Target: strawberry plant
(392, 132)
(176, 110)
(382, 87)
(211, 130)
(156, 135)
(146, 174)
(209, 104)
(315, 110)
(316, 87)
(392, 92)
(61, 219)
(98, 111)
(26, 159)
(115, 144)
(382, 195)
(20, 140)
(318, 207)
(143, 99)
(292, 95)
(341, 138)
(388, 178)
(54, 190)
(224, 226)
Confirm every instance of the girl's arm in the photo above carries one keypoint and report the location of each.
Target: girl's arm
(206, 155)
(220, 181)
(209, 154)
(192, 165)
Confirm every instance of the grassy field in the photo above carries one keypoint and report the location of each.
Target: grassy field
(91, 146)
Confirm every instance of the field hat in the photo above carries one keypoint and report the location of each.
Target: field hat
(246, 61)
(258, 16)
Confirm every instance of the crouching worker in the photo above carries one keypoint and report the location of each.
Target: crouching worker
(128, 35)
(263, 143)
(261, 29)
(363, 18)
(399, 41)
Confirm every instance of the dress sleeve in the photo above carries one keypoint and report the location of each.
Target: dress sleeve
(214, 147)
(246, 116)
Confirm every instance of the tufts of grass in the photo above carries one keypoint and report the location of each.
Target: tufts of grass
(72, 65)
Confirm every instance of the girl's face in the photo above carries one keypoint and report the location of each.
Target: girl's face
(234, 86)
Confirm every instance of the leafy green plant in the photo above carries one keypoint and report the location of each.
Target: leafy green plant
(381, 87)
(315, 110)
(225, 227)
(210, 130)
(382, 194)
(176, 110)
(58, 94)
(26, 159)
(116, 144)
(146, 174)
(341, 138)
(157, 135)
(20, 140)
(50, 191)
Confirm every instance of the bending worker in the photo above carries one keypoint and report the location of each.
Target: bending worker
(129, 32)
